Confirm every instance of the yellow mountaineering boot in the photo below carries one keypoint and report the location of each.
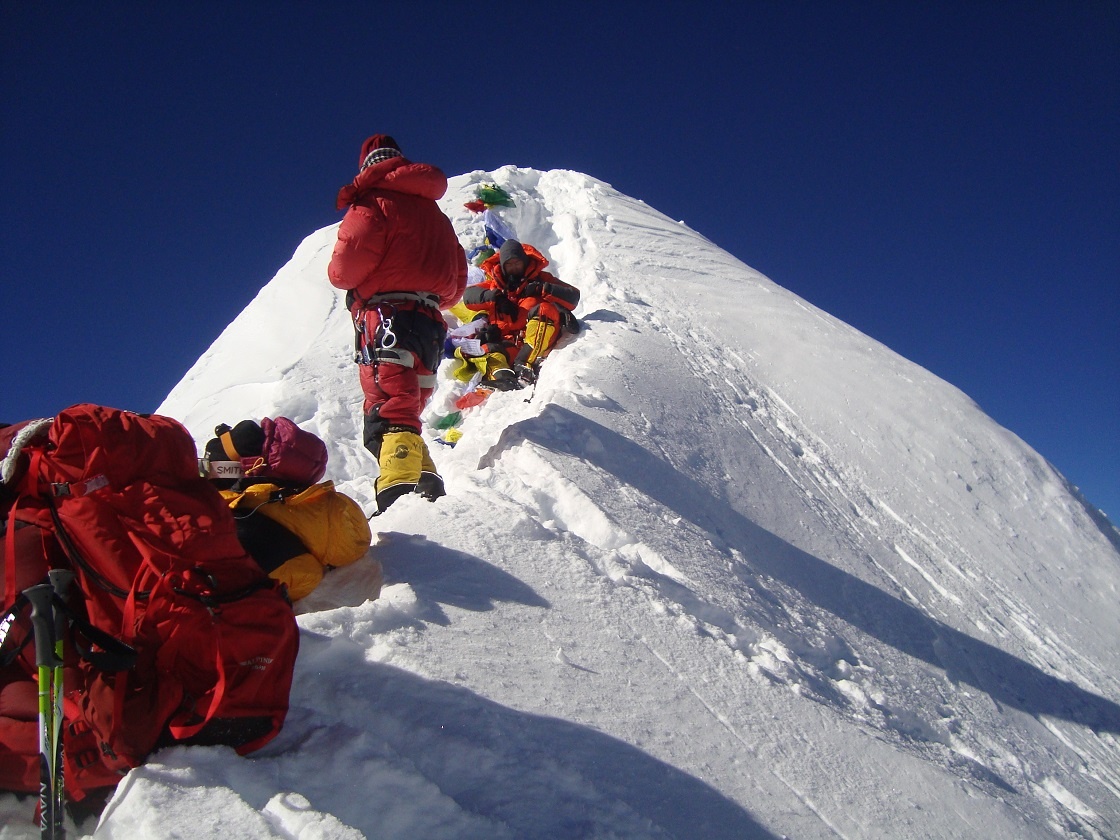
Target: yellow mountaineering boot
(540, 335)
(494, 362)
(467, 366)
(430, 485)
(401, 460)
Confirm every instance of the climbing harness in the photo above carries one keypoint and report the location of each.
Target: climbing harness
(381, 347)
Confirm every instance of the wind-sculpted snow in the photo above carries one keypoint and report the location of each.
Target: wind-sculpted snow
(732, 570)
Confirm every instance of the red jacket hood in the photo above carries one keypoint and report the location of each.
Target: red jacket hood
(397, 175)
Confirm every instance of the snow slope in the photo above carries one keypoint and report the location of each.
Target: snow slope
(733, 570)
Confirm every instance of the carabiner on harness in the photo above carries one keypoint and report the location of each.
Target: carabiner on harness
(386, 338)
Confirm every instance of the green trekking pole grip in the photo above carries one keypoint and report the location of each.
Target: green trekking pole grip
(42, 623)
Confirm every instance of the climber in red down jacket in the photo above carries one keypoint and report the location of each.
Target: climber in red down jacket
(398, 257)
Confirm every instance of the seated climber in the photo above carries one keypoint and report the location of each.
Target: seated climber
(295, 526)
(478, 348)
(527, 309)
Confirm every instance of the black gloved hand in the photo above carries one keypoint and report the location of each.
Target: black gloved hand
(505, 306)
(535, 288)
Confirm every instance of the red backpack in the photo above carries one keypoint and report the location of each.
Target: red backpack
(117, 498)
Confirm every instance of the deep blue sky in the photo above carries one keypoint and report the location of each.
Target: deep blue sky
(943, 176)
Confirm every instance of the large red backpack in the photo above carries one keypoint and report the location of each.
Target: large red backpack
(117, 498)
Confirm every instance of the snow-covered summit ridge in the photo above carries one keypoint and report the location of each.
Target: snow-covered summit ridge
(730, 542)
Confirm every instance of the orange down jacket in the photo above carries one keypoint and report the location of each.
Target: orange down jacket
(563, 296)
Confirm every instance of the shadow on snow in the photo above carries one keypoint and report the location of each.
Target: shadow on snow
(528, 775)
(1005, 678)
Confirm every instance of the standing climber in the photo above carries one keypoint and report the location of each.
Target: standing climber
(400, 261)
(528, 306)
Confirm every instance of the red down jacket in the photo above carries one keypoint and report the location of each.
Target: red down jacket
(394, 237)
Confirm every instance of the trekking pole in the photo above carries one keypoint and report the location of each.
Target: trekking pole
(42, 621)
(61, 580)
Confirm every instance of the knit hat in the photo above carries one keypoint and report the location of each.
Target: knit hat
(377, 148)
(511, 249)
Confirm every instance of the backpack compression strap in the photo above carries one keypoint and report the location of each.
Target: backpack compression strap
(103, 651)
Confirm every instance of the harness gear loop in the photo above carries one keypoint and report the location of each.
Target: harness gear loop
(361, 345)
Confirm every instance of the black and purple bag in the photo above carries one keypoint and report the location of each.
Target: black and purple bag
(277, 450)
